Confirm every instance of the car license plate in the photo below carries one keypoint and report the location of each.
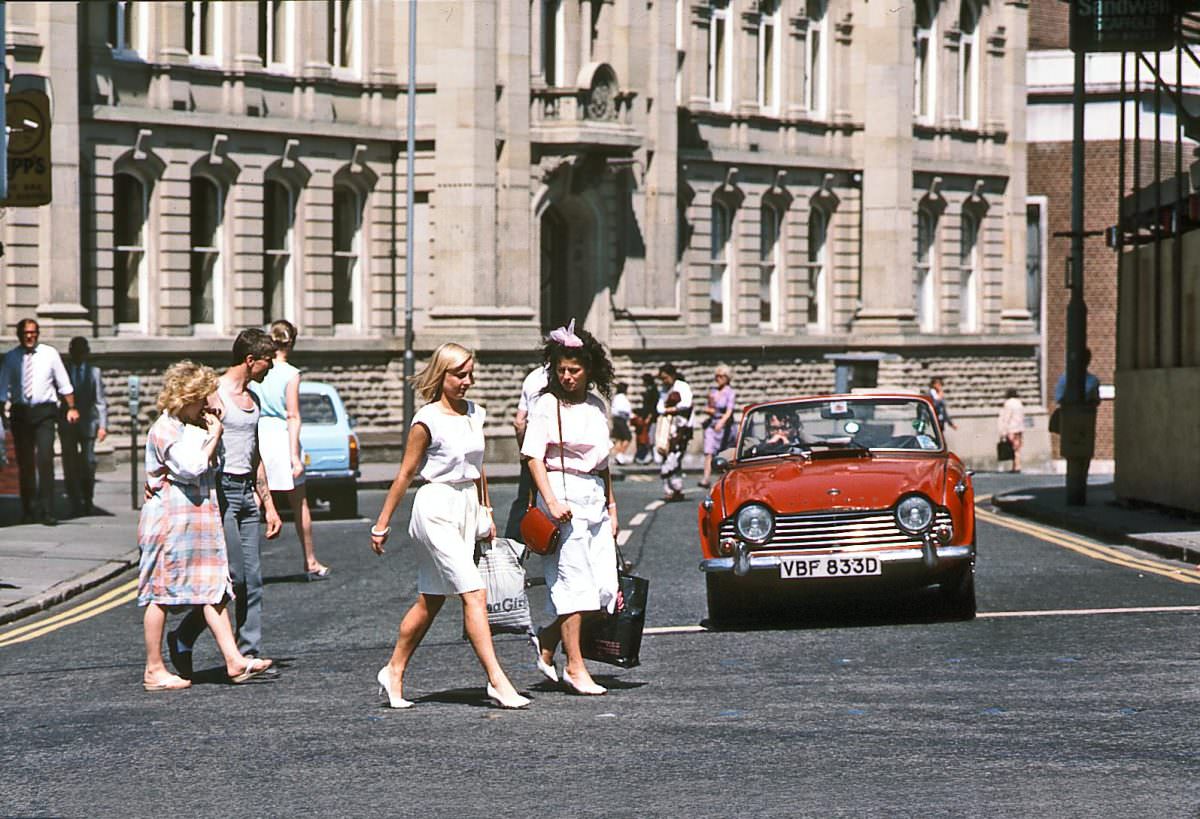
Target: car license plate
(807, 568)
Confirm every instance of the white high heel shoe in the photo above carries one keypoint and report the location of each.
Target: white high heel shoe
(517, 701)
(589, 690)
(384, 680)
(547, 668)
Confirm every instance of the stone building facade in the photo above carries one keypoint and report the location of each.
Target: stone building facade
(820, 193)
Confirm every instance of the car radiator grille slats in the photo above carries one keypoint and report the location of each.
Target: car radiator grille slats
(828, 529)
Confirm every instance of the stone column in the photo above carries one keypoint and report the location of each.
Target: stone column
(516, 271)
(887, 144)
(60, 308)
(1014, 316)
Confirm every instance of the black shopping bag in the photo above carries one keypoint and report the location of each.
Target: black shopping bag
(1004, 450)
(616, 638)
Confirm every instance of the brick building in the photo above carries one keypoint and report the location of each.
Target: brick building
(819, 193)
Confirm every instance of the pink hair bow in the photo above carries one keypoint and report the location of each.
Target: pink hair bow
(566, 336)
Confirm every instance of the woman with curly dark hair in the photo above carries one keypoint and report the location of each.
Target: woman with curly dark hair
(567, 446)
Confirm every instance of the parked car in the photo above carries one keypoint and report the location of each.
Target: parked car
(838, 494)
(330, 448)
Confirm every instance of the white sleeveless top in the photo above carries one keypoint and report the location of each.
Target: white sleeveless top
(455, 450)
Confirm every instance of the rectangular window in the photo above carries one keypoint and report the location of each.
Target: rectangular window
(342, 34)
(922, 77)
(769, 252)
(205, 251)
(279, 215)
(553, 37)
(768, 61)
(926, 277)
(814, 73)
(129, 251)
(969, 267)
(1035, 234)
(718, 288)
(968, 80)
(818, 233)
(200, 32)
(718, 58)
(273, 32)
(122, 26)
(347, 227)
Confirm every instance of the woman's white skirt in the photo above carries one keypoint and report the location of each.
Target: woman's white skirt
(276, 450)
(443, 524)
(582, 574)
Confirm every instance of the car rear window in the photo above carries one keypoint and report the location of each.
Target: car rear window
(317, 408)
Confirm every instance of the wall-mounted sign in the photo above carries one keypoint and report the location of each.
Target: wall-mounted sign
(27, 119)
(1124, 25)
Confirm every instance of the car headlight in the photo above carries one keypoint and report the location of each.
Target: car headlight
(755, 522)
(914, 514)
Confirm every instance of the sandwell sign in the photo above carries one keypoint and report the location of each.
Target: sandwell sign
(1125, 25)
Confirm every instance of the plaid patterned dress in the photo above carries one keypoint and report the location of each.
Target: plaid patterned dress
(183, 559)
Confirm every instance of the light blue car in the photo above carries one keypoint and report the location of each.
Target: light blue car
(330, 448)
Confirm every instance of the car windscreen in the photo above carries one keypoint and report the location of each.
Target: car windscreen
(317, 408)
(872, 423)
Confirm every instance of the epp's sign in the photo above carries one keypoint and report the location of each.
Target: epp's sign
(1124, 25)
(27, 116)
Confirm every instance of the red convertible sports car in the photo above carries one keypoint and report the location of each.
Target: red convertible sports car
(838, 494)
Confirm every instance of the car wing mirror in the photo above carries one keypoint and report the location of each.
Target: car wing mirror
(720, 463)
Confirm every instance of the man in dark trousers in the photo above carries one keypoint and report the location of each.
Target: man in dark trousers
(78, 441)
(32, 378)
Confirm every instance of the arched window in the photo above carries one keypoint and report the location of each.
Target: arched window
(347, 252)
(818, 262)
(968, 63)
(206, 267)
(769, 55)
(926, 270)
(816, 59)
(770, 249)
(968, 321)
(129, 248)
(925, 61)
(720, 263)
(279, 218)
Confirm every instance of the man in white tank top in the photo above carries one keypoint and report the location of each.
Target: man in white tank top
(244, 499)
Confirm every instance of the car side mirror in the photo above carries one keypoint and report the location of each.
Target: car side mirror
(720, 463)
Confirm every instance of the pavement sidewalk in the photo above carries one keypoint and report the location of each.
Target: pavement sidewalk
(41, 566)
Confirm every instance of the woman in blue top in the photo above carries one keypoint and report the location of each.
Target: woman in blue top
(279, 440)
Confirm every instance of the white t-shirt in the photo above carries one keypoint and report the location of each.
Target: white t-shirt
(532, 387)
(455, 450)
(584, 443)
(685, 397)
(620, 407)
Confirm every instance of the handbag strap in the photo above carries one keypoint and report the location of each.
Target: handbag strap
(562, 462)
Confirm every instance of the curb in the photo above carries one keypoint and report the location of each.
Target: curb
(67, 589)
(1155, 544)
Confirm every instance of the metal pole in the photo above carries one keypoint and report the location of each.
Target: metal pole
(1077, 468)
(409, 243)
(135, 489)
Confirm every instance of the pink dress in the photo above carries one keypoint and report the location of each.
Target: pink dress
(715, 440)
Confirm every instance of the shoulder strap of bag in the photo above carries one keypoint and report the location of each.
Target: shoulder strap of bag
(562, 461)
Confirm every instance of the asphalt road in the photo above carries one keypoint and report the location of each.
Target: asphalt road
(1036, 708)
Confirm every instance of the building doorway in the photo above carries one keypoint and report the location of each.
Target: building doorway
(555, 270)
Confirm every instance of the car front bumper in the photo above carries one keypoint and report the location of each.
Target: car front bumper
(744, 561)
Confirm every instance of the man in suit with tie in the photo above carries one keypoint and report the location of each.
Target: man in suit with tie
(32, 379)
(78, 440)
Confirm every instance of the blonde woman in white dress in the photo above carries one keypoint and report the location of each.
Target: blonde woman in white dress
(445, 447)
(569, 465)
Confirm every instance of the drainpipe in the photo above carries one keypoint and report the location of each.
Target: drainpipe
(409, 244)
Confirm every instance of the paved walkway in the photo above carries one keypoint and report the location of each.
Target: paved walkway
(41, 566)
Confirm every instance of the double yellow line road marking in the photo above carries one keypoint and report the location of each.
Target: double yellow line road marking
(122, 594)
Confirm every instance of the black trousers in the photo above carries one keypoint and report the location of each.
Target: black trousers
(33, 438)
(78, 446)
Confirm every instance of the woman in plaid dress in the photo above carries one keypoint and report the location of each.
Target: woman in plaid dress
(183, 560)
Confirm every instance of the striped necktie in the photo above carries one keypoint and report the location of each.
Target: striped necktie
(27, 376)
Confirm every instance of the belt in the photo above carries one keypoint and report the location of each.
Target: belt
(247, 478)
(593, 473)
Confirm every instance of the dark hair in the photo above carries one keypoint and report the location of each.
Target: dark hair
(593, 357)
(254, 343)
(670, 370)
(937, 379)
(79, 343)
(1011, 392)
(648, 380)
(621, 386)
(21, 325)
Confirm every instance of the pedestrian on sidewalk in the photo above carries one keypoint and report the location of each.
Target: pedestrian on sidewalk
(622, 411)
(719, 430)
(531, 388)
(242, 494)
(445, 447)
(32, 380)
(675, 406)
(567, 447)
(1011, 424)
(279, 441)
(643, 419)
(78, 441)
(937, 394)
(183, 556)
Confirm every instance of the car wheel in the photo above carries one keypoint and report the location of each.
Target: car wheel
(344, 504)
(958, 595)
(727, 603)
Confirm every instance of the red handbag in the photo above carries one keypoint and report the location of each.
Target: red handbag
(539, 531)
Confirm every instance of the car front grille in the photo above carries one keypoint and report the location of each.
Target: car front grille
(830, 529)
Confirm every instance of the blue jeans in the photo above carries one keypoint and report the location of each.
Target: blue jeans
(241, 517)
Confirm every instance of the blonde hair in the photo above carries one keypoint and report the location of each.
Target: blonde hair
(450, 356)
(185, 382)
(283, 333)
(723, 369)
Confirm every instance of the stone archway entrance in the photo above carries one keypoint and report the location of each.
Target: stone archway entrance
(569, 261)
(555, 269)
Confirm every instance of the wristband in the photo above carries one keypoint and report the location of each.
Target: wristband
(387, 531)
